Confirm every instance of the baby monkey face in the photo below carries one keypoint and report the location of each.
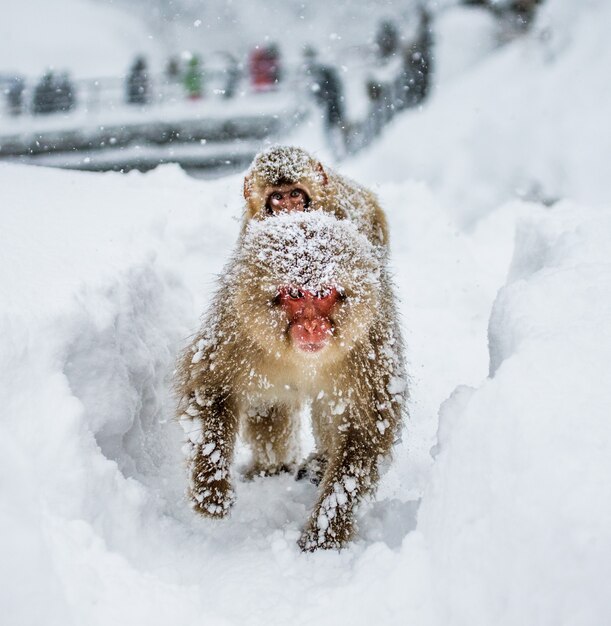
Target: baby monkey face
(287, 198)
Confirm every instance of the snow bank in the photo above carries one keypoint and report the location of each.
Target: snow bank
(517, 514)
(526, 121)
(91, 318)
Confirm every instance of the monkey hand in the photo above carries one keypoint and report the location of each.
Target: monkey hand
(330, 527)
(214, 500)
(314, 537)
(210, 491)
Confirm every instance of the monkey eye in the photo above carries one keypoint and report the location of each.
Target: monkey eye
(276, 196)
(295, 294)
(296, 193)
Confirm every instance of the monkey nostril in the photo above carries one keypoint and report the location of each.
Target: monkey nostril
(311, 325)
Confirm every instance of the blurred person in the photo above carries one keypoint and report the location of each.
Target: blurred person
(232, 76)
(326, 86)
(44, 97)
(137, 84)
(193, 79)
(172, 69)
(14, 95)
(264, 67)
(515, 16)
(64, 93)
(417, 64)
(387, 39)
(522, 13)
(273, 55)
(377, 103)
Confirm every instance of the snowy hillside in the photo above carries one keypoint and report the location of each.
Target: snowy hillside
(497, 508)
(79, 36)
(530, 119)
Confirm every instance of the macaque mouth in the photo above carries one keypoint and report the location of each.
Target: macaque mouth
(312, 347)
(311, 337)
(308, 312)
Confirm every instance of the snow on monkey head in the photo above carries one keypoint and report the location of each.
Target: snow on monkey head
(314, 276)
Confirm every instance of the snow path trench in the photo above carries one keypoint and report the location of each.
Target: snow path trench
(106, 275)
(132, 520)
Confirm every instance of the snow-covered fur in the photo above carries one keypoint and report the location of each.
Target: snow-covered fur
(242, 371)
(326, 189)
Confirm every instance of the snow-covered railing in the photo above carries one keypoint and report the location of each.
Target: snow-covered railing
(99, 128)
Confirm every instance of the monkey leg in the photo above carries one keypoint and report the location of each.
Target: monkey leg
(352, 472)
(271, 433)
(211, 429)
(313, 467)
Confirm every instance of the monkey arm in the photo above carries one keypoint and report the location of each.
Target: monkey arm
(356, 440)
(272, 433)
(211, 424)
(352, 472)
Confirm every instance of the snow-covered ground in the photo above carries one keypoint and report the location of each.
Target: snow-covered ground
(505, 304)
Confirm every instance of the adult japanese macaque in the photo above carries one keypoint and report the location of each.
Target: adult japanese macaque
(285, 179)
(303, 315)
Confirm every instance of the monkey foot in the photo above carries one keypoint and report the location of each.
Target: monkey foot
(331, 526)
(312, 469)
(214, 500)
(255, 470)
(317, 539)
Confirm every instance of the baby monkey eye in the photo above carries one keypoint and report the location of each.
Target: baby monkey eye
(295, 294)
(296, 193)
(276, 196)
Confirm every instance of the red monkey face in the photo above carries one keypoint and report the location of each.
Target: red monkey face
(308, 313)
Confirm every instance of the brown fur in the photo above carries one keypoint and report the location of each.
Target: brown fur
(327, 190)
(243, 373)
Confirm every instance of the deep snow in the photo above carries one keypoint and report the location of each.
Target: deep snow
(505, 306)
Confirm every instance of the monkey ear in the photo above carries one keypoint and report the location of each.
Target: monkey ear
(321, 172)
